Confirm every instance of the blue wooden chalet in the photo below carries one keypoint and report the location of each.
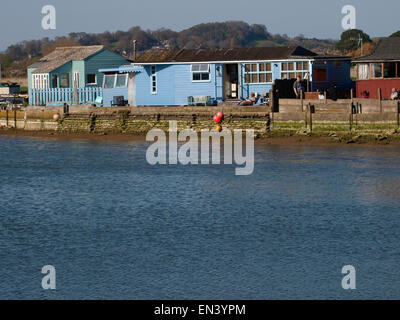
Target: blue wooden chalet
(54, 77)
(169, 77)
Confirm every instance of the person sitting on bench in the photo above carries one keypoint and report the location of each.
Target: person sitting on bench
(249, 101)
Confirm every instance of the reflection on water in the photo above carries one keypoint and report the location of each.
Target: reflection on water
(117, 228)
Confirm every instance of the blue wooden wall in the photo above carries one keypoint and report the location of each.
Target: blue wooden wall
(102, 60)
(109, 94)
(175, 84)
(165, 77)
(247, 88)
(335, 74)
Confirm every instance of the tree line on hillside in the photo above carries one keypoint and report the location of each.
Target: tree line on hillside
(207, 35)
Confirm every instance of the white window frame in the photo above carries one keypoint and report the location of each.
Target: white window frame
(116, 79)
(304, 72)
(258, 72)
(115, 75)
(153, 79)
(40, 81)
(363, 71)
(372, 70)
(109, 75)
(91, 83)
(205, 71)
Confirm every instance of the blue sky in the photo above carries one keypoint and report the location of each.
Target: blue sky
(21, 19)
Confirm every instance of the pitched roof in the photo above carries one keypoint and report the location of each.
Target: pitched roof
(62, 55)
(222, 55)
(35, 65)
(387, 49)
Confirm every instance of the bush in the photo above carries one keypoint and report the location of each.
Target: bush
(395, 35)
(349, 40)
(24, 90)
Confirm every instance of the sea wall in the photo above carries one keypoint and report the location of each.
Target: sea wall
(294, 117)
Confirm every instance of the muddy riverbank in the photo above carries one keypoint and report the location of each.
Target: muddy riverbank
(272, 138)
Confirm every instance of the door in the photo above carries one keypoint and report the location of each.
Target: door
(132, 89)
(231, 79)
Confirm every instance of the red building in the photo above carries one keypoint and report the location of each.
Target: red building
(380, 71)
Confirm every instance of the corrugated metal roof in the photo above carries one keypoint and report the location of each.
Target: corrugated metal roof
(62, 55)
(387, 49)
(222, 55)
(131, 68)
(108, 70)
(123, 69)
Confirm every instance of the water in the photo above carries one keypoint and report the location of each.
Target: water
(115, 227)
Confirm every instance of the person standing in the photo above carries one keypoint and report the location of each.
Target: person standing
(394, 95)
(298, 88)
(333, 92)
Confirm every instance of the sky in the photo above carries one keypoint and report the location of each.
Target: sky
(22, 19)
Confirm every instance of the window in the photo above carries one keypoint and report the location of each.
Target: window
(64, 83)
(121, 80)
(290, 70)
(319, 74)
(115, 81)
(264, 67)
(109, 80)
(389, 70)
(54, 81)
(200, 72)
(304, 66)
(153, 80)
(258, 73)
(288, 66)
(91, 79)
(363, 71)
(251, 67)
(337, 63)
(376, 70)
(40, 81)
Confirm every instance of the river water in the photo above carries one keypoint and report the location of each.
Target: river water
(115, 227)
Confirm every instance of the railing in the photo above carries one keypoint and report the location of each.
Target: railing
(59, 96)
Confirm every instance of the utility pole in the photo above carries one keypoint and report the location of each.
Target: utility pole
(134, 50)
(359, 44)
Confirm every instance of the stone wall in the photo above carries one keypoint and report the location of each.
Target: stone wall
(372, 116)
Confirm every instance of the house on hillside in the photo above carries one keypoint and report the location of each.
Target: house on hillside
(379, 71)
(171, 77)
(71, 67)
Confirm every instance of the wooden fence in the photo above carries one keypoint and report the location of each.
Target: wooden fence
(59, 96)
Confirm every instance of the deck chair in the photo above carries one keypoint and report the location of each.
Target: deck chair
(98, 102)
